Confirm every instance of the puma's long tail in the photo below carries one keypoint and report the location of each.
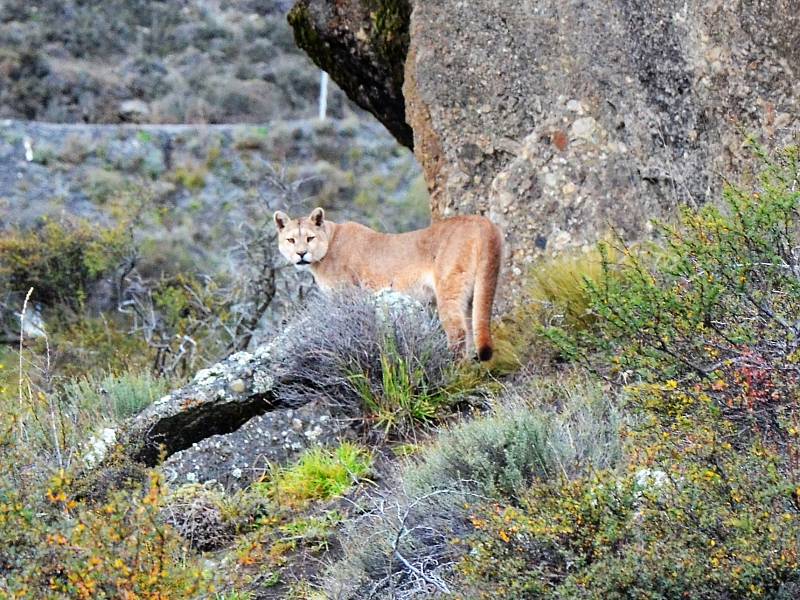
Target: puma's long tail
(487, 271)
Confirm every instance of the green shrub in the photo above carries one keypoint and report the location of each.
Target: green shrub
(94, 346)
(715, 308)
(499, 455)
(114, 397)
(192, 178)
(719, 525)
(61, 260)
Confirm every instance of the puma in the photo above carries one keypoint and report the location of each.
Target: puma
(454, 263)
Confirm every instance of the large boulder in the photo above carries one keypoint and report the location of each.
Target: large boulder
(562, 120)
(278, 437)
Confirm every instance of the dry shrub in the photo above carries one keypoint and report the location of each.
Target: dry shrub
(404, 544)
(384, 358)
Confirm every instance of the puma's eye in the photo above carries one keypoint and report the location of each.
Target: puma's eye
(309, 238)
(290, 240)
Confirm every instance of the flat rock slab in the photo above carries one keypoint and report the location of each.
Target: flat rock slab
(275, 438)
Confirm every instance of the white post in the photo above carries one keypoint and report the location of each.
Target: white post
(323, 96)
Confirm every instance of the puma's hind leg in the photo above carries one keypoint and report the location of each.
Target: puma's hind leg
(451, 304)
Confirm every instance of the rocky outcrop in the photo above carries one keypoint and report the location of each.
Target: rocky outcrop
(563, 120)
(219, 400)
(238, 459)
(227, 427)
(362, 44)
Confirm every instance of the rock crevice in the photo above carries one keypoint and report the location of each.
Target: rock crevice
(218, 401)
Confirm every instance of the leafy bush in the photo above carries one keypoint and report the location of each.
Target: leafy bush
(87, 346)
(53, 546)
(61, 260)
(716, 308)
(384, 358)
(705, 522)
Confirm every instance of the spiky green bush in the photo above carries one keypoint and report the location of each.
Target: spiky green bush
(384, 359)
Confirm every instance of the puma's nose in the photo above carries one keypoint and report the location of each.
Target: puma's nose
(300, 253)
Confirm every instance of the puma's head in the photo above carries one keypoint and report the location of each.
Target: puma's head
(302, 241)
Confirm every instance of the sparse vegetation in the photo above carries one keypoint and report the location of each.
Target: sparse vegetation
(230, 63)
(382, 358)
(493, 458)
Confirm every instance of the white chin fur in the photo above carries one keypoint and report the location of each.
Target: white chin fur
(302, 267)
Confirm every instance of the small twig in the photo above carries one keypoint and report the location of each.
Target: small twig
(22, 339)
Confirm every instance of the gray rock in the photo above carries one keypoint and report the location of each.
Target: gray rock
(219, 400)
(237, 459)
(135, 111)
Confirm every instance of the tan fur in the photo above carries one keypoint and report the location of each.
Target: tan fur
(454, 263)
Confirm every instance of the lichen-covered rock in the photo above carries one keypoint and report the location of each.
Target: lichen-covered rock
(219, 400)
(561, 120)
(275, 438)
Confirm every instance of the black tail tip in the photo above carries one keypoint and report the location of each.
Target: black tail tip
(485, 353)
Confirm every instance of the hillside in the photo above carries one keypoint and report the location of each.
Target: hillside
(154, 62)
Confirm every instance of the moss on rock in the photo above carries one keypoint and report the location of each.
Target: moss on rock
(362, 44)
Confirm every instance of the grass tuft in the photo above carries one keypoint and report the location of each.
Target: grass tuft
(320, 474)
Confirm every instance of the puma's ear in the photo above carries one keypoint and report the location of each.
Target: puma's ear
(317, 216)
(281, 219)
